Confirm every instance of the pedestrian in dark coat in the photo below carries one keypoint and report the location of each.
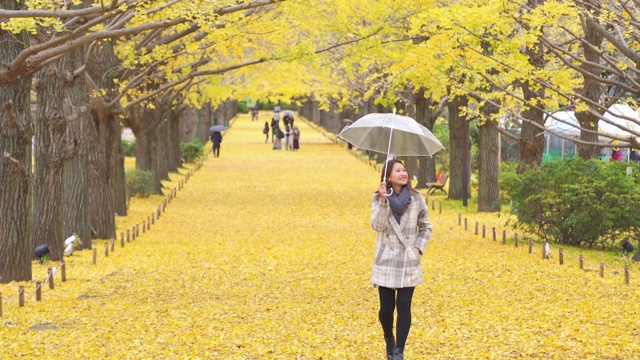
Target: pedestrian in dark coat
(402, 222)
(216, 139)
(266, 131)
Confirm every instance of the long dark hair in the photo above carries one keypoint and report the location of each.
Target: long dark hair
(389, 169)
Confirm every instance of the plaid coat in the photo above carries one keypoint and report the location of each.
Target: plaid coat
(397, 263)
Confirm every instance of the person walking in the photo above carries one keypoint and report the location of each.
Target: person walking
(274, 124)
(296, 138)
(278, 135)
(402, 222)
(266, 131)
(287, 137)
(216, 139)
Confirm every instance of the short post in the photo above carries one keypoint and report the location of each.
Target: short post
(137, 229)
(545, 255)
(476, 228)
(465, 224)
(440, 207)
(516, 240)
(113, 244)
(531, 246)
(106, 250)
(483, 231)
(153, 218)
(144, 226)
(561, 257)
(63, 271)
(626, 280)
(121, 239)
(494, 233)
(433, 204)
(581, 262)
(504, 237)
(148, 222)
(133, 233)
(459, 219)
(50, 276)
(127, 235)
(95, 256)
(21, 295)
(601, 270)
(38, 290)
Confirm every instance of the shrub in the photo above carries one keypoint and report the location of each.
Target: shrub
(140, 183)
(243, 108)
(191, 151)
(577, 202)
(129, 147)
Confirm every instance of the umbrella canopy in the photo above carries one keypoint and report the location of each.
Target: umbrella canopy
(288, 112)
(217, 128)
(391, 134)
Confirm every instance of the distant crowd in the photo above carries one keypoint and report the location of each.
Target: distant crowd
(290, 135)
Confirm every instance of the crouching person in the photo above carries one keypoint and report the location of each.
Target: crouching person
(41, 251)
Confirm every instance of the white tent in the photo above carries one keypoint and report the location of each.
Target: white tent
(569, 127)
(616, 114)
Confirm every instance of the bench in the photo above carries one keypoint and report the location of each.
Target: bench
(433, 186)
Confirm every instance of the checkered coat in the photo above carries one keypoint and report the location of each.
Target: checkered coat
(397, 262)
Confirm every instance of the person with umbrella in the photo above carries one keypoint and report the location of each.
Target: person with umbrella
(400, 216)
(402, 222)
(216, 138)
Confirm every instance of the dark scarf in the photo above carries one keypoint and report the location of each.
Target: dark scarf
(399, 202)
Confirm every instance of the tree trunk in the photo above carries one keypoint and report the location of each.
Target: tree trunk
(489, 171)
(144, 123)
(426, 114)
(101, 74)
(76, 171)
(115, 166)
(459, 152)
(591, 90)
(16, 251)
(102, 212)
(53, 84)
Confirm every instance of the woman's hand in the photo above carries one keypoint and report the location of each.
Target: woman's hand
(382, 191)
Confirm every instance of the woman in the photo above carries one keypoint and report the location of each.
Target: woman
(402, 222)
(266, 131)
(296, 138)
(278, 135)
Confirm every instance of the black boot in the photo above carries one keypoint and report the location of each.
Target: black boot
(391, 345)
(398, 354)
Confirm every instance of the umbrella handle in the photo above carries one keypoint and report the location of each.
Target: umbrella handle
(390, 192)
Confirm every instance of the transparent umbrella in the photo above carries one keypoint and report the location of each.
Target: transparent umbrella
(391, 134)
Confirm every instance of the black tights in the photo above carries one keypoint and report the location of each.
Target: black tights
(388, 302)
(216, 152)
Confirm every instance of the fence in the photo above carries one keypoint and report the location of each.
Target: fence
(109, 247)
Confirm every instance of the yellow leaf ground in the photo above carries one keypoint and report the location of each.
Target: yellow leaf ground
(267, 255)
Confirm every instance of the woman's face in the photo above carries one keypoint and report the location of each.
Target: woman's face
(399, 175)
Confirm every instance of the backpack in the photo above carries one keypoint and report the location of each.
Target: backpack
(280, 134)
(265, 130)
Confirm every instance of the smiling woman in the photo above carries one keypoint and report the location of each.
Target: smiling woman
(402, 222)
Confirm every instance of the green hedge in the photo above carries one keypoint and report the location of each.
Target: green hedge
(191, 151)
(577, 202)
(243, 108)
(129, 147)
(140, 183)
